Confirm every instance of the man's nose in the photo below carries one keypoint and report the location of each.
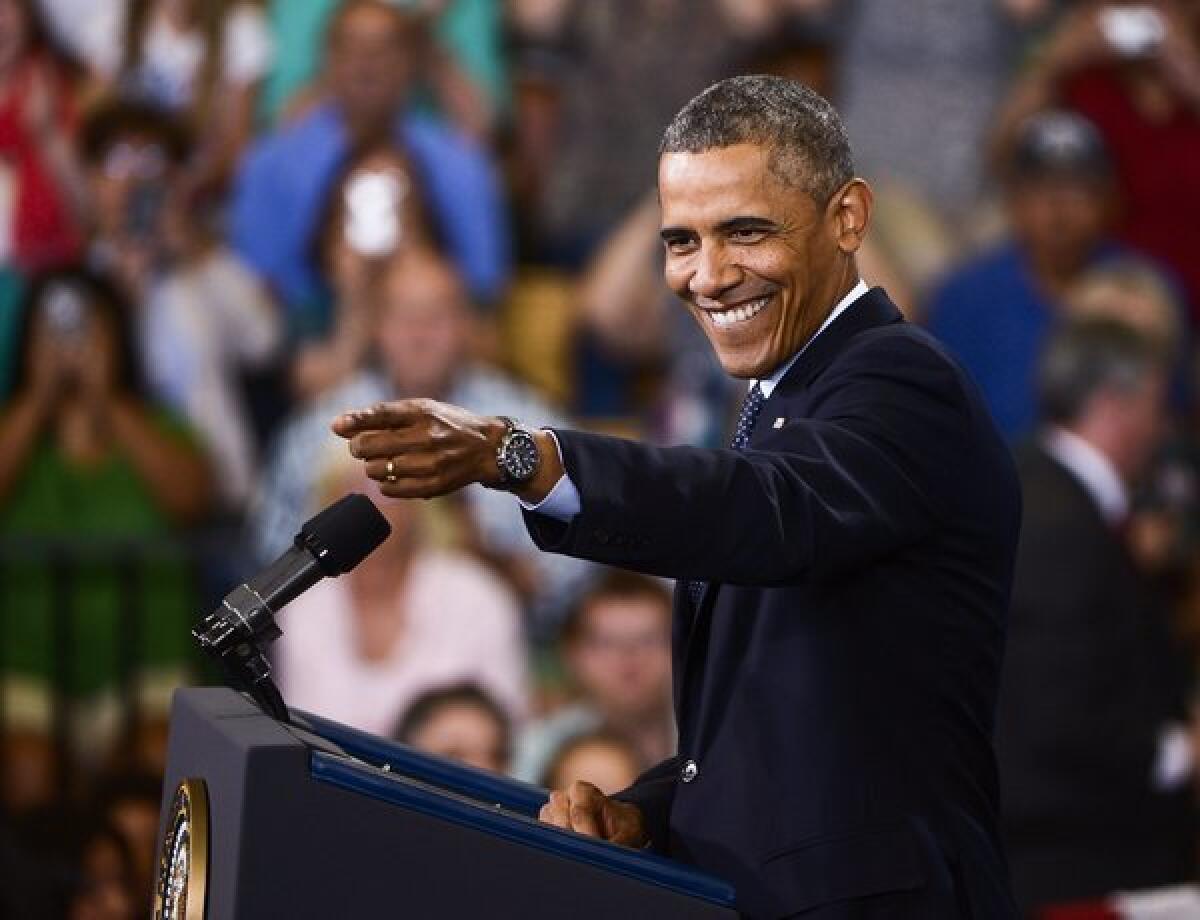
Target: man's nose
(715, 272)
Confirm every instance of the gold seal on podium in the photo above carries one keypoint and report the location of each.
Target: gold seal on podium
(180, 887)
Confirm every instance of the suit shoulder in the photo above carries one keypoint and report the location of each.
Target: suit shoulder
(904, 351)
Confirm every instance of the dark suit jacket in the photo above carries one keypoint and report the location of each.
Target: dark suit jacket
(836, 687)
(1089, 681)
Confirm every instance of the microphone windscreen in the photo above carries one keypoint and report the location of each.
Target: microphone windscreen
(344, 534)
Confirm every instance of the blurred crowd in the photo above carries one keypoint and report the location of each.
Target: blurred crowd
(224, 222)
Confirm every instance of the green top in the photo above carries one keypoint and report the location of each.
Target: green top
(469, 29)
(99, 508)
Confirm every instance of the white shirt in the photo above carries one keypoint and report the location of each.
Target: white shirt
(1093, 470)
(461, 623)
(563, 501)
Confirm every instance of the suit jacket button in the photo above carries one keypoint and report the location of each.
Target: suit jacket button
(689, 772)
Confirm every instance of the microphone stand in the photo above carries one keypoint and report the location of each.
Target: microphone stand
(227, 638)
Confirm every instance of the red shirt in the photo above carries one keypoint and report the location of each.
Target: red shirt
(44, 233)
(1158, 174)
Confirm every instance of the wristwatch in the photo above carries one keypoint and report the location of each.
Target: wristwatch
(517, 456)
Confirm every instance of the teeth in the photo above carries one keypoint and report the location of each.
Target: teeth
(739, 314)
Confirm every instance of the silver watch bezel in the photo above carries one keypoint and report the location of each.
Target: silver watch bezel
(514, 433)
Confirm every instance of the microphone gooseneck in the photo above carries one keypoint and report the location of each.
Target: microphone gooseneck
(330, 544)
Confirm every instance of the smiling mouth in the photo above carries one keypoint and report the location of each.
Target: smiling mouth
(742, 313)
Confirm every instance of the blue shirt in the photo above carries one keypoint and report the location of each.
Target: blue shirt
(991, 314)
(281, 190)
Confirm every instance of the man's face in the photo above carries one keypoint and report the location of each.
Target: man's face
(1060, 220)
(754, 258)
(128, 187)
(622, 655)
(370, 63)
(423, 329)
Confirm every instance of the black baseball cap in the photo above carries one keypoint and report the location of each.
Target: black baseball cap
(1060, 144)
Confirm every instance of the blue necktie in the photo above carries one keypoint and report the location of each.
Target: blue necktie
(751, 406)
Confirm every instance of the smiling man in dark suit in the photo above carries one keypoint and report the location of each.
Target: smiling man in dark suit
(843, 569)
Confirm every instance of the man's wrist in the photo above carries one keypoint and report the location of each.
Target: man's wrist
(549, 471)
(549, 466)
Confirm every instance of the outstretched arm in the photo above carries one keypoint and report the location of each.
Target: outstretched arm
(867, 475)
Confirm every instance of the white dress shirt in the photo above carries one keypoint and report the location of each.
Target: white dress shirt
(563, 502)
(1093, 470)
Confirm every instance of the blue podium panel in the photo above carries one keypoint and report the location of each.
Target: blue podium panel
(320, 821)
(436, 771)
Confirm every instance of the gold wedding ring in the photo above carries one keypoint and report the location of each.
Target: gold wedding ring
(391, 470)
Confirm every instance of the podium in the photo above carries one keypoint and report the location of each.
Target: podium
(309, 818)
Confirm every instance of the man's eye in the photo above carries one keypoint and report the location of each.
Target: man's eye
(747, 234)
(680, 245)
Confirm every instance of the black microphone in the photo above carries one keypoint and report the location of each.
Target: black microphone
(332, 543)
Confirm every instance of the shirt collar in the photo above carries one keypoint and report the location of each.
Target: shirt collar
(768, 384)
(1092, 469)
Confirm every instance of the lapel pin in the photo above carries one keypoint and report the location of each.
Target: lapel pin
(779, 422)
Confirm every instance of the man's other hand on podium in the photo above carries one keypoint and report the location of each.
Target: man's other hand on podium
(583, 808)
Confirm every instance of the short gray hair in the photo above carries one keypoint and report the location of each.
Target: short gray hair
(1088, 356)
(806, 138)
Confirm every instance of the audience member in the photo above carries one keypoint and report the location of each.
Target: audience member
(924, 127)
(104, 888)
(129, 802)
(616, 645)
(1164, 525)
(371, 65)
(918, 92)
(361, 648)
(202, 58)
(90, 461)
(375, 214)
(203, 320)
(460, 721)
(1134, 72)
(422, 339)
(612, 95)
(461, 46)
(996, 310)
(1096, 747)
(40, 189)
(604, 759)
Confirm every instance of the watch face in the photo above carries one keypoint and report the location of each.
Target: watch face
(520, 456)
(179, 891)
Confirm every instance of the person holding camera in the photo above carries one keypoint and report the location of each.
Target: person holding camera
(1133, 70)
(88, 457)
(202, 318)
(374, 214)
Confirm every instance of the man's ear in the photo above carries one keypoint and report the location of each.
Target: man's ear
(849, 214)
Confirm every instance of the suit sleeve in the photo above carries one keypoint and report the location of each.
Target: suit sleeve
(653, 792)
(866, 475)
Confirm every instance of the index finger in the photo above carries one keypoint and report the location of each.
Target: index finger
(395, 414)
